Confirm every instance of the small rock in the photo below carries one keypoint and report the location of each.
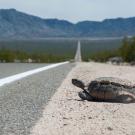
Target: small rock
(65, 118)
(89, 117)
(109, 128)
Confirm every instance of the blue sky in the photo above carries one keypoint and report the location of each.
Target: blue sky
(74, 10)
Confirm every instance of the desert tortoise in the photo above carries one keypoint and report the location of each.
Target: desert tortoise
(106, 89)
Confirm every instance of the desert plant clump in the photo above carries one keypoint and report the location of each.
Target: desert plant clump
(127, 50)
(21, 56)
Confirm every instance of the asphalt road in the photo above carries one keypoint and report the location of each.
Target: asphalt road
(8, 69)
(22, 102)
(78, 57)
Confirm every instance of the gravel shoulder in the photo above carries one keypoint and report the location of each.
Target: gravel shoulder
(65, 114)
(22, 102)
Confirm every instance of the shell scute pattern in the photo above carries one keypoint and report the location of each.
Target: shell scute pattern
(106, 89)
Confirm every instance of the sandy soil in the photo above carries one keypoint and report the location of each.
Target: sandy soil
(67, 115)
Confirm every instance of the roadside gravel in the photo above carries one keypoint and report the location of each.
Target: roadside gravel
(8, 69)
(22, 102)
(66, 114)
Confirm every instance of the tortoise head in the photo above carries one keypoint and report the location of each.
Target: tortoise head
(78, 83)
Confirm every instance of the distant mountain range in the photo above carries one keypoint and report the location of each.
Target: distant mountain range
(15, 24)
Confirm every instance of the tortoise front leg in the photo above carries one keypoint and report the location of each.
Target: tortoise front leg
(84, 96)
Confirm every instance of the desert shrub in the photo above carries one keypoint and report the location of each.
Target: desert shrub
(103, 56)
(7, 55)
(11, 55)
(127, 50)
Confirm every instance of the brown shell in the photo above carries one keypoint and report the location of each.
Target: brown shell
(108, 87)
(114, 81)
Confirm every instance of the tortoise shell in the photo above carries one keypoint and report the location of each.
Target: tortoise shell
(108, 88)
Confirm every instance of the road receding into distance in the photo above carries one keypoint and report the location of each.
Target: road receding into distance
(25, 92)
(23, 100)
(78, 57)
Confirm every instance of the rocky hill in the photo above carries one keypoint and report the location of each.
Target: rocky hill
(15, 24)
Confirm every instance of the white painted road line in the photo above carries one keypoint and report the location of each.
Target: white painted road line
(16, 77)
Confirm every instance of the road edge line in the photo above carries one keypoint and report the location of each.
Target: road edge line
(19, 76)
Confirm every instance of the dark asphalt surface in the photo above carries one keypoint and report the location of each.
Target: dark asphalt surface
(22, 102)
(8, 69)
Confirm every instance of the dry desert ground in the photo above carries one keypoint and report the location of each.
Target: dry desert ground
(66, 114)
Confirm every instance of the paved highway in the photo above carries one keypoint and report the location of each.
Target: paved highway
(78, 57)
(22, 101)
(8, 69)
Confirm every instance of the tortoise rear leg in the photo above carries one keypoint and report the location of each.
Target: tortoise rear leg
(125, 98)
(84, 96)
